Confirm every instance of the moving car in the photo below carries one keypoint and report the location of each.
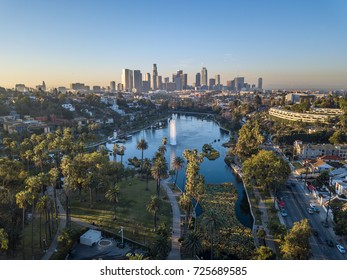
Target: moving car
(310, 211)
(341, 249)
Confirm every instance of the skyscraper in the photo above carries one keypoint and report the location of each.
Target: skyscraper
(217, 78)
(159, 82)
(198, 80)
(204, 77)
(184, 81)
(239, 83)
(154, 77)
(127, 79)
(113, 85)
(148, 79)
(138, 80)
(212, 83)
(260, 83)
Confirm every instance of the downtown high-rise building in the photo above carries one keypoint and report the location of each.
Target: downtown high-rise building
(260, 83)
(184, 81)
(127, 79)
(159, 82)
(198, 80)
(138, 80)
(211, 84)
(217, 78)
(239, 83)
(154, 77)
(113, 85)
(204, 77)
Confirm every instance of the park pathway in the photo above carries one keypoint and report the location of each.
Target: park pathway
(175, 253)
(62, 223)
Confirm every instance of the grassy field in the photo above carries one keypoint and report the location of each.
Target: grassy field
(131, 211)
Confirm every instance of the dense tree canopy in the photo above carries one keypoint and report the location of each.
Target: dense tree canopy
(296, 245)
(266, 169)
(249, 140)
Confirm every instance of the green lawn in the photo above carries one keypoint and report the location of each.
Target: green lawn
(131, 211)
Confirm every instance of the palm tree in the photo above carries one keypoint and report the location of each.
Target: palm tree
(161, 247)
(112, 195)
(185, 203)
(147, 165)
(164, 141)
(22, 201)
(177, 164)
(121, 153)
(159, 171)
(162, 149)
(115, 151)
(212, 222)
(192, 243)
(153, 208)
(142, 145)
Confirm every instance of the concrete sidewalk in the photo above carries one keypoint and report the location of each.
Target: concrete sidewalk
(175, 253)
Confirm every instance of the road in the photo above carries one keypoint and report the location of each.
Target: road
(297, 201)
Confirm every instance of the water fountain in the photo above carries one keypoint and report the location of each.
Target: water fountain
(173, 132)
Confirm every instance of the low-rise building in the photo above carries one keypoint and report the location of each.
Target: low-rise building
(322, 115)
(310, 151)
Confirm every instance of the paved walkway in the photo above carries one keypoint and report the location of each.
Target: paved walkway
(62, 218)
(176, 221)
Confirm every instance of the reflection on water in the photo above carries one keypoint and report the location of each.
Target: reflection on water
(192, 133)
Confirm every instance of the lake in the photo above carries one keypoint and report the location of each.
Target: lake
(192, 132)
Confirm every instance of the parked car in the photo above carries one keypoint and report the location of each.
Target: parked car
(329, 243)
(310, 211)
(341, 249)
(284, 212)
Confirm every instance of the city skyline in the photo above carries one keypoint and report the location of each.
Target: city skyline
(290, 44)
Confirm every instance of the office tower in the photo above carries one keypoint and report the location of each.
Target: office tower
(138, 80)
(148, 79)
(204, 77)
(170, 86)
(127, 79)
(178, 82)
(77, 86)
(212, 83)
(184, 81)
(239, 83)
(159, 82)
(113, 85)
(260, 83)
(120, 87)
(217, 78)
(154, 77)
(166, 80)
(96, 89)
(229, 84)
(145, 86)
(198, 80)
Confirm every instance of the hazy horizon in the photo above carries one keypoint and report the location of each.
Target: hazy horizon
(290, 44)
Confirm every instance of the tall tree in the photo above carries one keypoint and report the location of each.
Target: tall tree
(142, 145)
(147, 165)
(192, 243)
(296, 244)
(153, 208)
(263, 253)
(249, 140)
(115, 151)
(266, 170)
(112, 195)
(177, 164)
(22, 202)
(159, 171)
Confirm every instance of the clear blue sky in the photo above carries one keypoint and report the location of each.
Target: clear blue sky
(290, 43)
